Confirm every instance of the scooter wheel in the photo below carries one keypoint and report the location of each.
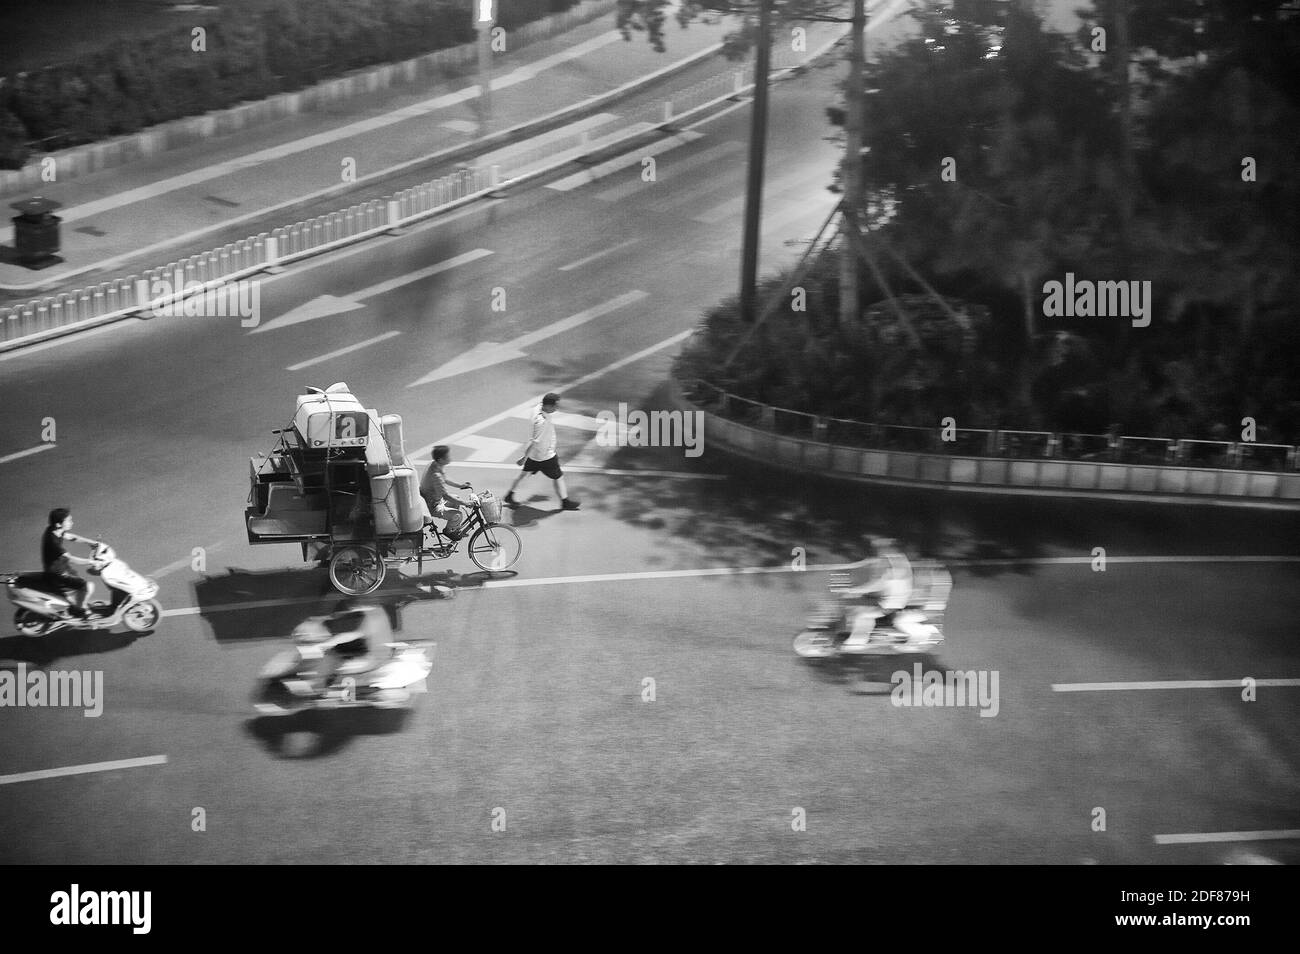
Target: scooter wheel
(30, 624)
(142, 617)
(814, 644)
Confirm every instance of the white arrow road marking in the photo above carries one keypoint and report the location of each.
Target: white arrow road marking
(27, 453)
(327, 305)
(422, 453)
(486, 354)
(342, 351)
(323, 306)
(488, 449)
(482, 355)
(562, 419)
(83, 769)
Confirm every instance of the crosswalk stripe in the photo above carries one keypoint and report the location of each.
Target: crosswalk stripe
(491, 449)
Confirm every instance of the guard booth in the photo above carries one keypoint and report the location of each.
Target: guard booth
(36, 232)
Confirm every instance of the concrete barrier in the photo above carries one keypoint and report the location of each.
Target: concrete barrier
(1168, 484)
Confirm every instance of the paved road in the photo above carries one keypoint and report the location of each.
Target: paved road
(537, 701)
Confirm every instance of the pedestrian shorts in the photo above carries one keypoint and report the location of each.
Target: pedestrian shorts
(549, 467)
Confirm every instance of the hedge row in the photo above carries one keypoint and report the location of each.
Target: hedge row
(293, 44)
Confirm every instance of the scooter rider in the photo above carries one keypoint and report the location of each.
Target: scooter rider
(348, 635)
(57, 562)
(872, 605)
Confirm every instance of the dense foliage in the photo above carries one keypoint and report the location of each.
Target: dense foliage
(1049, 179)
(287, 46)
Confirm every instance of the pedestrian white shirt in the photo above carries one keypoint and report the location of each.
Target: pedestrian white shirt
(543, 445)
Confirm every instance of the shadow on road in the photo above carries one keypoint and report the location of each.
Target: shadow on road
(241, 605)
(44, 650)
(758, 515)
(315, 734)
(526, 515)
(866, 675)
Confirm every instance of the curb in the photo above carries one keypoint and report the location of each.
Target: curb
(773, 459)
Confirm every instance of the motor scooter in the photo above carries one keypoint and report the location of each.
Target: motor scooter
(42, 607)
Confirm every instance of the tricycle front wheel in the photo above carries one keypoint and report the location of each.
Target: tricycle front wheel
(495, 547)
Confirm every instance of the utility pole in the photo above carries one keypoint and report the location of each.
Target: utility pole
(851, 171)
(757, 145)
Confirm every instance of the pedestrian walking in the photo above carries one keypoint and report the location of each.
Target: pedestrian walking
(539, 454)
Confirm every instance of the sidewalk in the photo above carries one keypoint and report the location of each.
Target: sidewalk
(176, 200)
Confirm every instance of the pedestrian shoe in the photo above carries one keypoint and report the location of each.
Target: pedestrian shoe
(567, 504)
(510, 500)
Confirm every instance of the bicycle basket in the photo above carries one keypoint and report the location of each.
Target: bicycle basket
(490, 506)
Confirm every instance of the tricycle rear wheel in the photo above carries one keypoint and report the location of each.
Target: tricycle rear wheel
(357, 570)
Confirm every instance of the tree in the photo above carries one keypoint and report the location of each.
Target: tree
(651, 16)
(755, 32)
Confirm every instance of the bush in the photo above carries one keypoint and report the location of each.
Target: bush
(13, 141)
(288, 46)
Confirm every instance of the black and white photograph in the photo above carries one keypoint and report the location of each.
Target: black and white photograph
(651, 432)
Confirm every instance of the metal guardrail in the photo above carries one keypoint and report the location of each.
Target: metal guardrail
(998, 443)
(41, 318)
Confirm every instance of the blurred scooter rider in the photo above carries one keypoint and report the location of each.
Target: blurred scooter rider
(345, 636)
(57, 562)
(872, 605)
